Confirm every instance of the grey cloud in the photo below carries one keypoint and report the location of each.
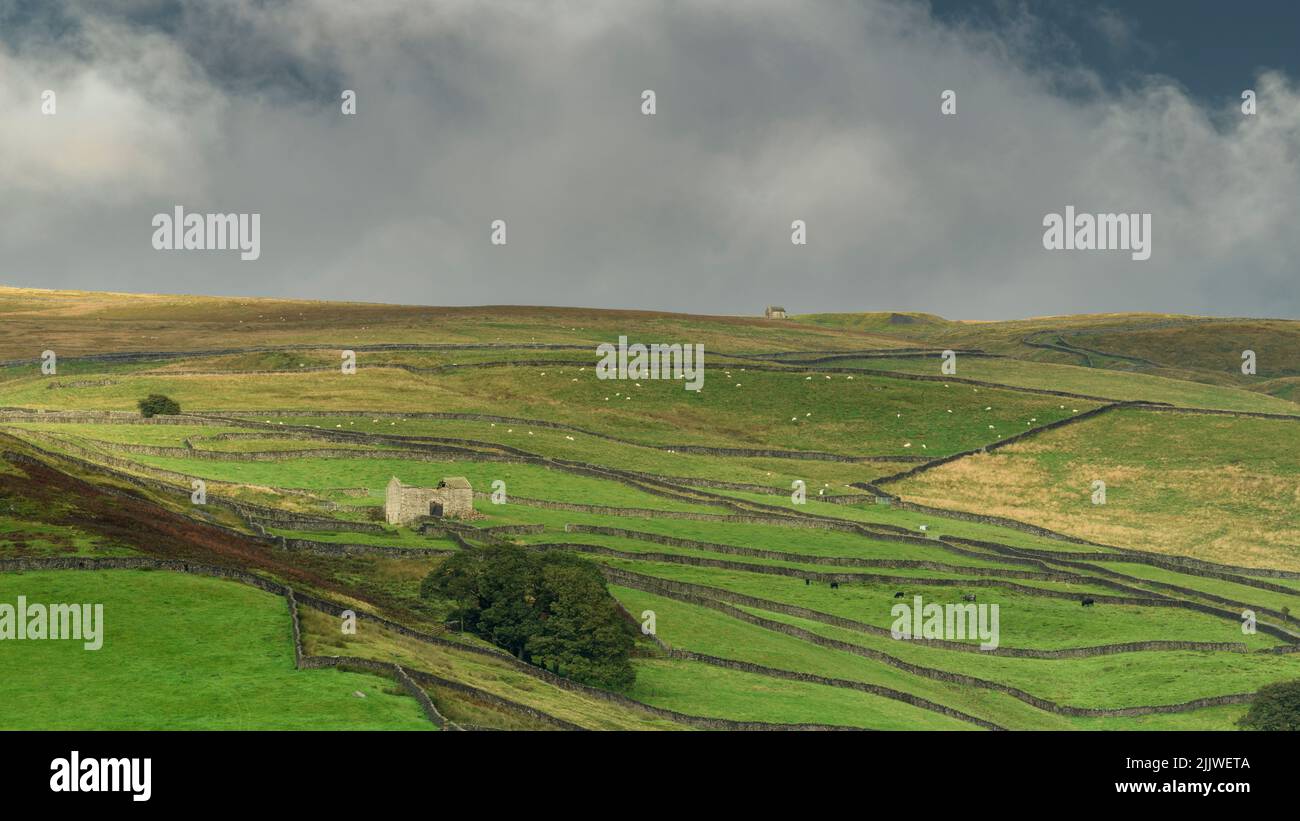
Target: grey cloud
(529, 112)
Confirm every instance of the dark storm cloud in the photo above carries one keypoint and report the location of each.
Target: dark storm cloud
(530, 112)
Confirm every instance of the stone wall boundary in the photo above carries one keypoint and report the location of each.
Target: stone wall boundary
(699, 722)
(340, 549)
(1002, 443)
(744, 600)
(491, 699)
(230, 416)
(843, 684)
(805, 558)
(942, 675)
(386, 668)
(849, 578)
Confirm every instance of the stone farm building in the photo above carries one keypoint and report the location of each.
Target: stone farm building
(774, 312)
(453, 497)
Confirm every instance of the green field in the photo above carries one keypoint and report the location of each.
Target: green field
(180, 653)
(1112, 384)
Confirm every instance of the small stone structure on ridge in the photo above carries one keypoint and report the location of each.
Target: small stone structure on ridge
(774, 312)
(452, 498)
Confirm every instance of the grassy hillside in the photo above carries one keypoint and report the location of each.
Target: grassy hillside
(180, 653)
(768, 611)
(1114, 384)
(1216, 488)
(1197, 349)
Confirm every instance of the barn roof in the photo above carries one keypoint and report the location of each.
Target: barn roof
(455, 482)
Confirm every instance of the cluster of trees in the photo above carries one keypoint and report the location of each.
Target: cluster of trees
(155, 404)
(1276, 707)
(550, 609)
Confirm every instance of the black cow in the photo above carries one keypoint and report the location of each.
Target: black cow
(807, 581)
(898, 595)
(968, 597)
(1088, 602)
(835, 585)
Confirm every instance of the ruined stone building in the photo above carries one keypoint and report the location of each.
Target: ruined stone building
(774, 312)
(453, 498)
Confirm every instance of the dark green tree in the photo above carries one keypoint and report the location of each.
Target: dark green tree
(550, 609)
(1276, 707)
(583, 633)
(155, 404)
(494, 589)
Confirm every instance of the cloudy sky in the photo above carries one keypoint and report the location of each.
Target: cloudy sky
(767, 111)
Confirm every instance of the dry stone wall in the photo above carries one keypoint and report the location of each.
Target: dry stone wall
(628, 579)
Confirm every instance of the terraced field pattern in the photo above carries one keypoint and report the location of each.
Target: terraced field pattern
(831, 468)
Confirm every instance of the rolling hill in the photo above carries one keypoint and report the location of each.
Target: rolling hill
(974, 486)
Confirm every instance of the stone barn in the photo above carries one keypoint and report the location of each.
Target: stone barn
(774, 312)
(452, 498)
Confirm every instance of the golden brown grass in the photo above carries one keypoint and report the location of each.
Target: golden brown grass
(1216, 488)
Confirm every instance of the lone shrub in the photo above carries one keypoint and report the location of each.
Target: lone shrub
(155, 404)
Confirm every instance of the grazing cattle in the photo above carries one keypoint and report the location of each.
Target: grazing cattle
(898, 595)
(835, 585)
(968, 597)
(807, 581)
(1088, 602)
